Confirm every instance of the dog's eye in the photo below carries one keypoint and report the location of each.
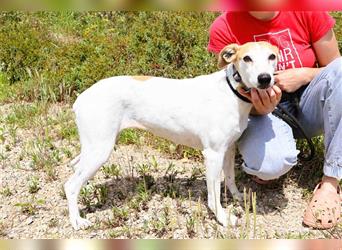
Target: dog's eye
(247, 59)
(272, 57)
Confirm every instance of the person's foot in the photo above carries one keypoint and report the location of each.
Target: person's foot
(324, 210)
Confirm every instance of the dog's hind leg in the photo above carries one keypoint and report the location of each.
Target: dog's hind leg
(73, 162)
(214, 164)
(229, 173)
(97, 141)
(92, 158)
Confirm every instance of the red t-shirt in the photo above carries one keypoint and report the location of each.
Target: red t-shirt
(292, 32)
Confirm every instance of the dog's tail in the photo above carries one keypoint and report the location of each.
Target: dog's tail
(74, 161)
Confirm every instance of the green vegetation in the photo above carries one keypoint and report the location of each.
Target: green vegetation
(56, 55)
(6, 191)
(30, 207)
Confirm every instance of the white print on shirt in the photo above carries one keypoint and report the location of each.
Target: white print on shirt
(288, 55)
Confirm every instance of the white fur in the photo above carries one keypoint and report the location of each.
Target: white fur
(260, 64)
(202, 113)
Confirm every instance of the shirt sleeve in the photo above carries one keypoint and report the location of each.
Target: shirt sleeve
(319, 24)
(219, 34)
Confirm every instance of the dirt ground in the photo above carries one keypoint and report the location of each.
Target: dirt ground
(140, 193)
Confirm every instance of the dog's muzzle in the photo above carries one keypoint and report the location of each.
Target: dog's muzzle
(264, 81)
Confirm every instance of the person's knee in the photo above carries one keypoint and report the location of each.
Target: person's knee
(335, 64)
(274, 166)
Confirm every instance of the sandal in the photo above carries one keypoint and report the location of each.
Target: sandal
(324, 210)
(261, 181)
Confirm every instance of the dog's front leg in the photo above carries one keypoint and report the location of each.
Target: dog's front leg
(229, 173)
(214, 165)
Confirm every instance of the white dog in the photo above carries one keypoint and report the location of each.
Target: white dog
(205, 112)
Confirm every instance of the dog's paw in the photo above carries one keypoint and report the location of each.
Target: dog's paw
(233, 221)
(222, 217)
(80, 223)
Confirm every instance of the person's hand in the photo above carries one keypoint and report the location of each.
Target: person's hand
(264, 101)
(292, 79)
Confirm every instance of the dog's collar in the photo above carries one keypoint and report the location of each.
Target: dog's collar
(237, 78)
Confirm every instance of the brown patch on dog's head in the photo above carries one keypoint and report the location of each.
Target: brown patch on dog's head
(227, 55)
(235, 52)
(272, 47)
(141, 78)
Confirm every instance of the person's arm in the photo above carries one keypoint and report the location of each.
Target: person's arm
(326, 50)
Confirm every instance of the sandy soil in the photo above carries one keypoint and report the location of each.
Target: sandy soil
(154, 214)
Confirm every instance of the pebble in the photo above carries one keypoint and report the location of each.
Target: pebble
(29, 221)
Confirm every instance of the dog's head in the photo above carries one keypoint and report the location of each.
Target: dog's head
(255, 61)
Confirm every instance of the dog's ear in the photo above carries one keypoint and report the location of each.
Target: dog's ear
(227, 55)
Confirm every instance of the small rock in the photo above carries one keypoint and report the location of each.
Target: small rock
(29, 221)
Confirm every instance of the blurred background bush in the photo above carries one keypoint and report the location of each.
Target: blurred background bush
(53, 56)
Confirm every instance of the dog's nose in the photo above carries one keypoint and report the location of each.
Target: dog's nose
(264, 80)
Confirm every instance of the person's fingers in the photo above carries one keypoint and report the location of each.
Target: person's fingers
(272, 95)
(265, 99)
(256, 100)
(245, 94)
(277, 92)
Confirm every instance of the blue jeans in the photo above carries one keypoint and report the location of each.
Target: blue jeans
(268, 146)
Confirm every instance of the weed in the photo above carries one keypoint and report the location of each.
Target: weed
(245, 231)
(112, 170)
(2, 135)
(293, 235)
(144, 169)
(67, 152)
(101, 195)
(196, 173)
(68, 132)
(6, 191)
(147, 182)
(254, 209)
(119, 216)
(31, 207)
(129, 136)
(86, 195)
(12, 131)
(171, 189)
(123, 231)
(43, 155)
(154, 163)
(23, 114)
(62, 193)
(158, 227)
(190, 226)
(33, 185)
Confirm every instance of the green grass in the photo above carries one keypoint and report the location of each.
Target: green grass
(22, 115)
(6, 191)
(30, 207)
(33, 185)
